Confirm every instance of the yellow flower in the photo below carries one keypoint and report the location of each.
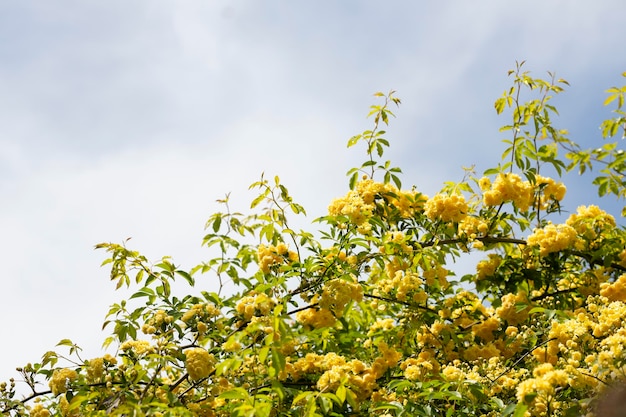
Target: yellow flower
(591, 223)
(484, 183)
(316, 318)
(448, 208)
(139, 347)
(61, 378)
(614, 291)
(337, 293)
(39, 411)
(509, 187)
(95, 369)
(255, 305)
(510, 312)
(199, 363)
(550, 190)
(553, 238)
(64, 405)
(487, 268)
(269, 256)
(485, 329)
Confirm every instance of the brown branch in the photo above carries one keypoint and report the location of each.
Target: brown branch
(297, 310)
(404, 303)
(520, 359)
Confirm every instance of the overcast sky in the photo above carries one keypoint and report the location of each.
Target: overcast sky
(130, 118)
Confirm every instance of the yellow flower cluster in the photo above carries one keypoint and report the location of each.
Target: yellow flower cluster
(407, 202)
(316, 318)
(269, 256)
(338, 292)
(446, 207)
(538, 392)
(38, 410)
(553, 238)
(199, 363)
(201, 310)
(507, 187)
(586, 351)
(510, 312)
(334, 370)
(207, 407)
(615, 291)
(591, 223)
(587, 283)
(486, 371)
(475, 352)
(485, 328)
(255, 305)
(550, 190)
(396, 242)
(487, 268)
(472, 227)
(510, 187)
(359, 204)
(61, 378)
(335, 254)
(200, 314)
(404, 286)
(381, 325)
(139, 347)
(96, 367)
(156, 322)
(64, 405)
(422, 367)
(436, 274)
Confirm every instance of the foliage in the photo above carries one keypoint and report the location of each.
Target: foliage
(366, 316)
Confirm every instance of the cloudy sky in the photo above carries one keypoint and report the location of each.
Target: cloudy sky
(130, 118)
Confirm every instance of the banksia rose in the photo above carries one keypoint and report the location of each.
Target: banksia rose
(199, 363)
(60, 379)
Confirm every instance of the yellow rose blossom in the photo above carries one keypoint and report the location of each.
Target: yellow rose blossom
(255, 305)
(316, 318)
(553, 238)
(421, 367)
(358, 205)
(199, 363)
(139, 347)
(269, 256)
(472, 226)
(487, 268)
(337, 293)
(95, 369)
(484, 183)
(485, 328)
(509, 311)
(550, 190)
(38, 410)
(64, 405)
(591, 221)
(60, 380)
(509, 188)
(615, 291)
(448, 208)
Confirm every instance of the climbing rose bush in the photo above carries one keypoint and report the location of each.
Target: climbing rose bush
(367, 314)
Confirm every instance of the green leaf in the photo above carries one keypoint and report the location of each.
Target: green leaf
(65, 342)
(353, 180)
(341, 393)
(186, 276)
(499, 105)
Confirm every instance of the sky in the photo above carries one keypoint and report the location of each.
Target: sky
(127, 119)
